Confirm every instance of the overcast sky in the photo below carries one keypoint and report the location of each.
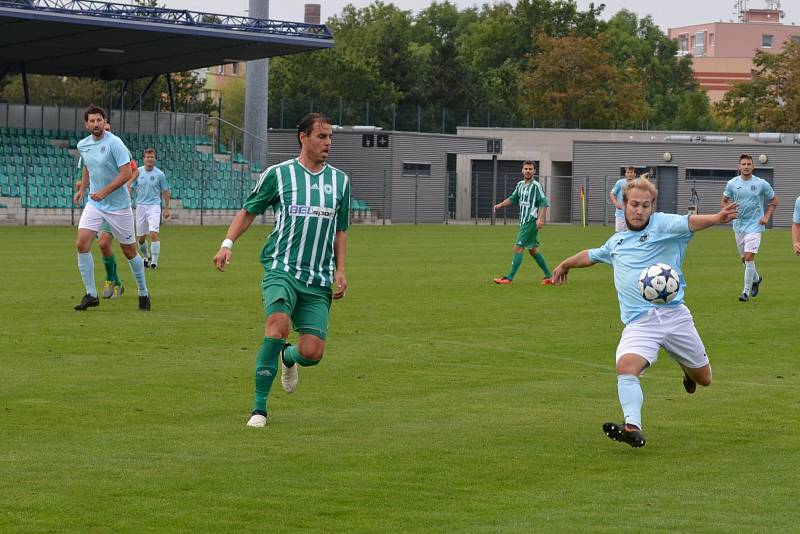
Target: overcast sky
(666, 13)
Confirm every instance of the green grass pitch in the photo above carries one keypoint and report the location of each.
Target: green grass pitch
(444, 403)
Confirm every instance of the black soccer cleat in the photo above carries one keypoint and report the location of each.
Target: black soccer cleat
(754, 288)
(629, 434)
(88, 301)
(743, 297)
(144, 302)
(153, 266)
(689, 385)
(146, 262)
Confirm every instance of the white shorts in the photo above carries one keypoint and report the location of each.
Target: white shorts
(670, 327)
(619, 224)
(148, 218)
(748, 242)
(120, 221)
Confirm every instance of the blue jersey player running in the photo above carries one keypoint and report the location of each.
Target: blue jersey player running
(749, 192)
(796, 228)
(651, 238)
(106, 169)
(616, 198)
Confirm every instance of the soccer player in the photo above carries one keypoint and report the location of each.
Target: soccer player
(651, 238)
(112, 287)
(106, 170)
(616, 198)
(532, 212)
(749, 192)
(303, 257)
(150, 187)
(796, 227)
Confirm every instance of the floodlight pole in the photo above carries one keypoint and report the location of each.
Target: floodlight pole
(256, 105)
(494, 185)
(25, 88)
(171, 92)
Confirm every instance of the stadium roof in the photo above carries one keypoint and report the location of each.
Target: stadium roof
(116, 41)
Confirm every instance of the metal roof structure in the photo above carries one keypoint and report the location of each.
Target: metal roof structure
(123, 42)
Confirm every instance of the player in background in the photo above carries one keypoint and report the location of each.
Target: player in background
(796, 227)
(532, 213)
(651, 238)
(112, 287)
(303, 257)
(616, 198)
(150, 187)
(749, 192)
(106, 170)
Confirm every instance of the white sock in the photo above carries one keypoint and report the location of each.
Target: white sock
(749, 272)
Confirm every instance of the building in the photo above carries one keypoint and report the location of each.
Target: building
(722, 52)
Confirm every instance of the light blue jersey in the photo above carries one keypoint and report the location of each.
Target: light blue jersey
(749, 195)
(103, 158)
(617, 190)
(149, 186)
(796, 216)
(663, 240)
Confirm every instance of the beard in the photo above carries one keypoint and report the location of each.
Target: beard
(636, 227)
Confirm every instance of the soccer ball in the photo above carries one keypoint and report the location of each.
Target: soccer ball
(659, 283)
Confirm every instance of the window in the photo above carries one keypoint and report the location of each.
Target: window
(795, 39)
(221, 69)
(412, 168)
(235, 69)
(710, 40)
(711, 175)
(699, 44)
(766, 41)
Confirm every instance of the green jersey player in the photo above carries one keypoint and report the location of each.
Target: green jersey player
(528, 194)
(303, 257)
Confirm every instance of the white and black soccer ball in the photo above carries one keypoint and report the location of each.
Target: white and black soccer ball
(659, 283)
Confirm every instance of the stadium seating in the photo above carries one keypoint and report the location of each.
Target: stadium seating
(39, 166)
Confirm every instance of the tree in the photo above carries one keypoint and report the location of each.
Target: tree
(572, 79)
(771, 102)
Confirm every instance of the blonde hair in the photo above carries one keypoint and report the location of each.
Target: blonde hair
(642, 182)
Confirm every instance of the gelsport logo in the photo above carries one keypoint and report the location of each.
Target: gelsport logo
(310, 211)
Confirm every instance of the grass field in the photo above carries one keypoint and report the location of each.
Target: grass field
(444, 403)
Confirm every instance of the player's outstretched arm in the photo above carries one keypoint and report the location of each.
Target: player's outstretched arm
(239, 225)
(581, 259)
(726, 214)
(770, 209)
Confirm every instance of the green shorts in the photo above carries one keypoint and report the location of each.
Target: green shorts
(528, 236)
(308, 306)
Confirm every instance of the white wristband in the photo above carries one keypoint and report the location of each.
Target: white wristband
(227, 244)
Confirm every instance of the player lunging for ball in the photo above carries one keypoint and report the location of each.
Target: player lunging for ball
(651, 238)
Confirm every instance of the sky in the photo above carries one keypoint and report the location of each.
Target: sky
(665, 13)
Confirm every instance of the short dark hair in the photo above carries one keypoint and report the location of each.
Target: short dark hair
(630, 168)
(306, 124)
(745, 156)
(149, 151)
(93, 110)
(529, 162)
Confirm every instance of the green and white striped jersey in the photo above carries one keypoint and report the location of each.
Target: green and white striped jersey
(309, 209)
(530, 198)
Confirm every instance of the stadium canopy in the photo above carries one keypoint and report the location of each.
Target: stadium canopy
(123, 42)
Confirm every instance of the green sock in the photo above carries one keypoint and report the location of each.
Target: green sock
(110, 264)
(542, 264)
(266, 369)
(516, 262)
(292, 356)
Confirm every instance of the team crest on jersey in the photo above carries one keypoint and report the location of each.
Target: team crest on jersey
(102, 149)
(311, 211)
(328, 189)
(643, 238)
(752, 188)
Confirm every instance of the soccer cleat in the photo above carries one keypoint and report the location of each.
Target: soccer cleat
(88, 301)
(630, 434)
(153, 266)
(754, 288)
(689, 385)
(502, 280)
(108, 290)
(289, 375)
(743, 297)
(144, 302)
(548, 281)
(118, 291)
(258, 419)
